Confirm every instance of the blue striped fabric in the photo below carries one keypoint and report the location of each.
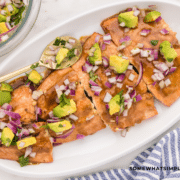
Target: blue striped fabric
(160, 162)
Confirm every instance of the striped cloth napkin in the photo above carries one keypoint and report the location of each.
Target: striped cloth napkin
(160, 162)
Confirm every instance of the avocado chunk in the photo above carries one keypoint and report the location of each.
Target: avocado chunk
(60, 126)
(7, 136)
(2, 18)
(3, 28)
(96, 59)
(116, 104)
(26, 142)
(169, 53)
(15, 10)
(151, 16)
(61, 111)
(6, 87)
(118, 63)
(129, 19)
(35, 77)
(62, 53)
(5, 97)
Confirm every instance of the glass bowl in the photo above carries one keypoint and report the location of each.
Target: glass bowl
(24, 27)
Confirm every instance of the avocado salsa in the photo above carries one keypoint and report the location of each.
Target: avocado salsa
(11, 12)
(112, 84)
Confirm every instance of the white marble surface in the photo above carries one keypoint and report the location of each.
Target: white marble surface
(51, 13)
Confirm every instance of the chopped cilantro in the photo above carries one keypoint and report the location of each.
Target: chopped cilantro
(15, 139)
(71, 54)
(154, 42)
(93, 77)
(63, 100)
(19, 130)
(44, 126)
(59, 41)
(17, 17)
(34, 66)
(60, 125)
(27, 81)
(58, 65)
(120, 102)
(134, 99)
(23, 161)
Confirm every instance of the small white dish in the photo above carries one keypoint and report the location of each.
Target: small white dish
(104, 146)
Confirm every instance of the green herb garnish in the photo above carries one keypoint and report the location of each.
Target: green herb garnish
(58, 65)
(44, 126)
(23, 161)
(71, 54)
(15, 139)
(34, 66)
(16, 18)
(93, 77)
(63, 100)
(120, 102)
(154, 42)
(60, 125)
(59, 41)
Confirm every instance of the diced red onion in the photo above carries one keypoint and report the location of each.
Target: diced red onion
(169, 64)
(103, 47)
(64, 136)
(107, 37)
(152, 7)
(12, 114)
(92, 83)
(66, 82)
(72, 41)
(161, 66)
(52, 120)
(140, 73)
(51, 114)
(126, 38)
(154, 83)
(72, 92)
(172, 69)
(2, 3)
(125, 112)
(7, 107)
(126, 96)
(135, 51)
(36, 94)
(117, 119)
(73, 117)
(33, 155)
(164, 31)
(158, 19)
(98, 62)
(31, 130)
(80, 136)
(145, 32)
(140, 45)
(107, 97)
(108, 74)
(112, 80)
(119, 48)
(72, 85)
(133, 93)
(4, 38)
(95, 68)
(10, 8)
(138, 98)
(35, 126)
(2, 114)
(62, 87)
(120, 77)
(109, 85)
(107, 106)
(3, 125)
(130, 67)
(166, 72)
(69, 46)
(67, 92)
(131, 77)
(97, 38)
(126, 30)
(162, 84)
(122, 24)
(136, 13)
(105, 62)
(167, 82)
(144, 53)
(89, 118)
(28, 152)
(119, 85)
(150, 58)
